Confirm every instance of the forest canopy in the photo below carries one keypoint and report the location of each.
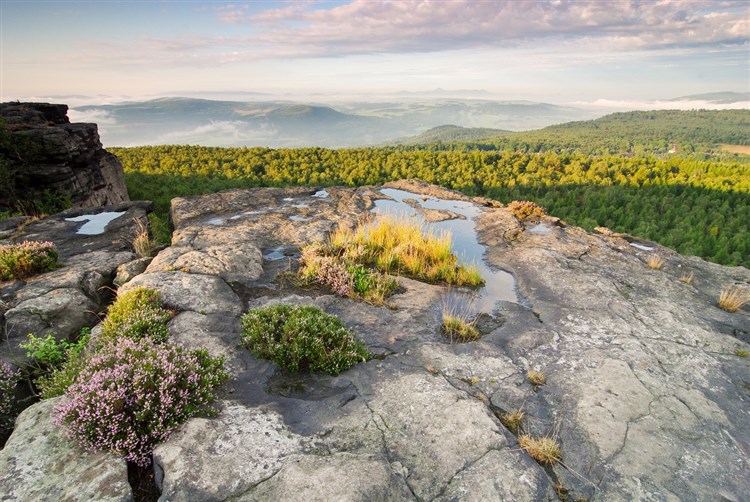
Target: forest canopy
(694, 206)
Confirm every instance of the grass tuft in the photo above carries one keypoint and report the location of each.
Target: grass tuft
(733, 298)
(143, 245)
(655, 262)
(536, 378)
(741, 353)
(513, 420)
(687, 278)
(458, 322)
(545, 450)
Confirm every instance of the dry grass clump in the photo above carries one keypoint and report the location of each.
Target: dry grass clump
(741, 353)
(459, 330)
(733, 298)
(143, 245)
(687, 278)
(458, 320)
(536, 378)
(655, 262)
(545, 450)
(513, 420)
(524, 209)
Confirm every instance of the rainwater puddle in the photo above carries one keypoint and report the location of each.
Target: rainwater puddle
(641, 246)
(299, 218)
(216, 221)
(540, 229)
(96, 223)
(275, 255)
(321, 194)
(499, 285)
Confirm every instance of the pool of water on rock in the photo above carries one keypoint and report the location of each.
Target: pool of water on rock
(499, 284)
(95, 223)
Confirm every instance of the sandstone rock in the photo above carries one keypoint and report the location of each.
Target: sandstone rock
(127, 271)
(204, 294)
(40, 463)
(60, 158)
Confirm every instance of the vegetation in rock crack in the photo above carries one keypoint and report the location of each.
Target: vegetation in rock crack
(655, 262)
(741, 353)
(57, 362)
(143, 245)
(687, 277)
(733, 297)
(513, 420)
(135, 314)
(134, 393)
(391, 246)
(536, 378)
(302, 338)
(525, 209)
(27, 258)
(545, 450)
(345, 279)
(8, 380)
(457, 321)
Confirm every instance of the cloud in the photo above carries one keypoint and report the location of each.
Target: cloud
(412, 26)
(219, 133)
(683, 104)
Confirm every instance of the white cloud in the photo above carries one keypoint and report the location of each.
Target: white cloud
(220, 133)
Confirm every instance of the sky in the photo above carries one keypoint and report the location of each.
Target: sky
(556, 51)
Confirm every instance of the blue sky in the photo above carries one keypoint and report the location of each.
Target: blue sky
(555, 51)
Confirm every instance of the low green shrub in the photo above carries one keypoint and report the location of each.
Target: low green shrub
(8, 380)
(58, 362)
(302, 338)
(135, 314)
(27, 258)
(134, 393)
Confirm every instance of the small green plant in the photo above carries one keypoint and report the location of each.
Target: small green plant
(513, 420)
(687, 278)
(22, 260)
(525, 209)
(135, 393)
(655, 262)
(58, 362)
(302, 338)
(8, 380)
(733, 298)
(742, 353)
(136, 314)
(536, 378)
(545, 450)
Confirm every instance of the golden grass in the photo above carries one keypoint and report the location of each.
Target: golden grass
(459, 330)
(741, 353)
(545, 450)
(743, 149)
(687, 278)
(655, 262)
(142, 243)
(458, 320)
(733, 298)
(513, 420)
(536, 378)
(401, 247)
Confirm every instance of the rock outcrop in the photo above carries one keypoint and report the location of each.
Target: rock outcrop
(645, 393)
(45, 156)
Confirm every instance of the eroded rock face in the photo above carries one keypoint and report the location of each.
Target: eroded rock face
(58, 157)
(644, 391)
(40, 463)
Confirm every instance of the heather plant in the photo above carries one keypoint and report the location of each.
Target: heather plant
(27, 258)
(8, 379)
(134, 393)
(302, 338)
(525, 209)
(136, 314)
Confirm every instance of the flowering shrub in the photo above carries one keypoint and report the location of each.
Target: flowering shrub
(136, 314)
(27, 258)
(134, 393)
(302, 338)
(8, 379)
(523, 209)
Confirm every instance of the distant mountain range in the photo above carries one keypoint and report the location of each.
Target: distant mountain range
(280, 123)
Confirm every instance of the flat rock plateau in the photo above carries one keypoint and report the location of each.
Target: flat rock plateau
(644, 391)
